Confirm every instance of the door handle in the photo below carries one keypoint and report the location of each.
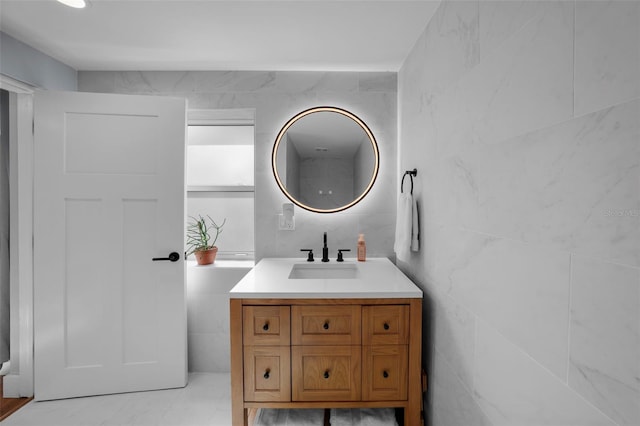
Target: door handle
(173, 256)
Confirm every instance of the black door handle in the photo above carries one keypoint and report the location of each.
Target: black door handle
(173, 256)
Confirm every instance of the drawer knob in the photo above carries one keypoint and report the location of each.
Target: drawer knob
(386, 325)
(265, 327)
(326, 374)
(325, 325)
(266, 374)
(385, 374)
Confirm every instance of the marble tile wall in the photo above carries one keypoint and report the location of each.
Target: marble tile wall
(208, 315)
(522, 118)
(276, 96)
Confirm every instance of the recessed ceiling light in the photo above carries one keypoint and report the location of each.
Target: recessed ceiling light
(78, 4)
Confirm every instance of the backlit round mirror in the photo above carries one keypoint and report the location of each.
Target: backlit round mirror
(325, 159)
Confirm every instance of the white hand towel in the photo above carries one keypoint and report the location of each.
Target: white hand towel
(404, 224)
(415, 227)
(363, 417)
(290, 417)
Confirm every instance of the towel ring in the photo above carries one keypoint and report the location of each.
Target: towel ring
(411, 174)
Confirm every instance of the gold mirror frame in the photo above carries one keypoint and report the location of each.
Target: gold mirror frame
(346, 113)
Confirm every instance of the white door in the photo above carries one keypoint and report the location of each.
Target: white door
(108, 197)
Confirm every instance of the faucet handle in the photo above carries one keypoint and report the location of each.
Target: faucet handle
(310, 255)
(340, 259)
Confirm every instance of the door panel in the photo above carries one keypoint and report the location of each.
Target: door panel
(108, 197)
(84, 308)
(139, 225)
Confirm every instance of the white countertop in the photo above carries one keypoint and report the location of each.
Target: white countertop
(375, 278)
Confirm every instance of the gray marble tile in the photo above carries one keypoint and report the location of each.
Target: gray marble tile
(154, 82)
(512, 389)
(442, 252)
(212, 281)
(233, 81)
(266, 234)
(208, 313)
(377, 110)
(453, 403)
(209, 352)
(451, 44)
(571, 187)
(522, 291)
(607, 54)
(499, 20)
(604, 364)
(454, 337)
(273, 110)
(500, 153)
(412, 76)
(379, 232)
(524, 85)
(316, 81)
(416, 128)
(96, 81)
(378, 82)
(221, 100)
(341, 231)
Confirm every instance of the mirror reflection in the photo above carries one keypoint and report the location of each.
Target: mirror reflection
(325, 159)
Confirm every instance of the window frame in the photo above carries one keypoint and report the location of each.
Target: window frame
(230, 117)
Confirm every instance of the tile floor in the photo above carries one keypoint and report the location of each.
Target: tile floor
(205, 401)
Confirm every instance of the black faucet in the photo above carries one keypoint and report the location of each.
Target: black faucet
(310, 255)
(340, 258)
(325, 250)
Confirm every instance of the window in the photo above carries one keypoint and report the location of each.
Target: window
(220, 181)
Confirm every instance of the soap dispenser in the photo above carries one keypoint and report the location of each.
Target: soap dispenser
(362, 248)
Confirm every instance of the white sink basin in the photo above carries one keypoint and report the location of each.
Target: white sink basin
(322, 271)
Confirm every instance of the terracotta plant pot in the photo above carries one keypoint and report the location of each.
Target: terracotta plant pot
(206, 257)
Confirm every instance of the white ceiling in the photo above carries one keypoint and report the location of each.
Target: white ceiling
(337, 35)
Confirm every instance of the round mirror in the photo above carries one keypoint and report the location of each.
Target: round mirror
(325, 159)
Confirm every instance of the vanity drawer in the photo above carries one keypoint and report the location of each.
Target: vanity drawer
(385, 325)
(266, 325)
(325, 325)
(384, 373)
(326, 373)
(267, 374)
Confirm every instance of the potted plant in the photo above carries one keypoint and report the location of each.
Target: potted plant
(201, 239)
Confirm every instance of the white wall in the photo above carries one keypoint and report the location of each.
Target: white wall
(4, 226)
(276, 97)
(208, 313)
(28, 65)
(522, 118)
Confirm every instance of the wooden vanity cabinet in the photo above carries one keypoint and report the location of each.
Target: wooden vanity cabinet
(326, 353)
(385, 352)
(266, 353)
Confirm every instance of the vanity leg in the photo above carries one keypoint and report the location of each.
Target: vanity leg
(412, 412)
(238, 412)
